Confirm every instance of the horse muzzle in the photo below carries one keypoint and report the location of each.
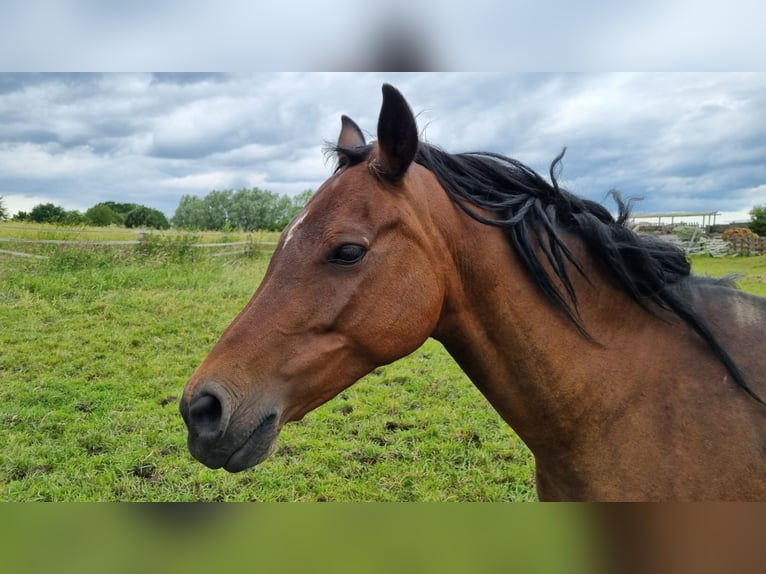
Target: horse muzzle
(218, 439)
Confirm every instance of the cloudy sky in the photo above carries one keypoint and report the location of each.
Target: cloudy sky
(682, 141)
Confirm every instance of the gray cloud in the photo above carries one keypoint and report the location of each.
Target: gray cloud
(681, 141)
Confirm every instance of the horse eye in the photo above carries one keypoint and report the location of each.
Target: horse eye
(348, 254)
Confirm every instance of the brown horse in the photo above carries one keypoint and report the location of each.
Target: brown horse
(628, 378)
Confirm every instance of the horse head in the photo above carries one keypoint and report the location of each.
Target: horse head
(355, 282)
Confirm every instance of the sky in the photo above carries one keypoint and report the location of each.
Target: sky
(680, 141)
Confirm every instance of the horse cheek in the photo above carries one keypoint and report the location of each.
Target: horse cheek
(403, 322)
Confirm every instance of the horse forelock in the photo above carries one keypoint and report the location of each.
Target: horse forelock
(348, 156)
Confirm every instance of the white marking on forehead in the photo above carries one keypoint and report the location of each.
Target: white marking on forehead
(295, 226)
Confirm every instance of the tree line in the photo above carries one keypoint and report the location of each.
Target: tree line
(101, 215)
(245, 209)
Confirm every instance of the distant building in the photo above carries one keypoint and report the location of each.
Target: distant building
(670, 219)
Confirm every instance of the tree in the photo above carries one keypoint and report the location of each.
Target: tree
(252, 209)
(121, 208)
(3, 211)
(217, 208)
(143, 216)
(73, 217)
(47, 213)
(246, 209)
(102, 215)
(283, 213)
(300, 200)
(758, 219)
(190, 213)
(297, 203)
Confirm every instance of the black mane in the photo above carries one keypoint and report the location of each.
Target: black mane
(534, 212)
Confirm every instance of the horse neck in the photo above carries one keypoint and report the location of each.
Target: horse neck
(524, 354)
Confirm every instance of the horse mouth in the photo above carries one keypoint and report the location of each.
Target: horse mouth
(258, 446)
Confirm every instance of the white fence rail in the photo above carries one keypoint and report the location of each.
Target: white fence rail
(247, 246)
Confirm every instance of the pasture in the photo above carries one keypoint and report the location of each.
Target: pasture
(98, 342)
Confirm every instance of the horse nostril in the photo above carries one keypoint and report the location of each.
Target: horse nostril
(206, 415)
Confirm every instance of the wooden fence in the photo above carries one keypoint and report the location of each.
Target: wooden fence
(748, 245)
(738, 245)
(225, 248)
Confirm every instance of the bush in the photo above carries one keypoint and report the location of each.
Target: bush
(73, 218)
(102, 215)
(143, 216)
(177, 249)
(69, 258)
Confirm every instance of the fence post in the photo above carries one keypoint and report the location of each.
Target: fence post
(249, 244)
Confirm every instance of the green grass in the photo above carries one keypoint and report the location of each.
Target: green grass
(97, 346)
(26, 230)
(750, 272)
(98, 343)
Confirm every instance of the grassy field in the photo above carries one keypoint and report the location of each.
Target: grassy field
(97, 345)
(749, 272)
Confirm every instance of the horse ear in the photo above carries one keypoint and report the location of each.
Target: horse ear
(397, 135)
(350, 134)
